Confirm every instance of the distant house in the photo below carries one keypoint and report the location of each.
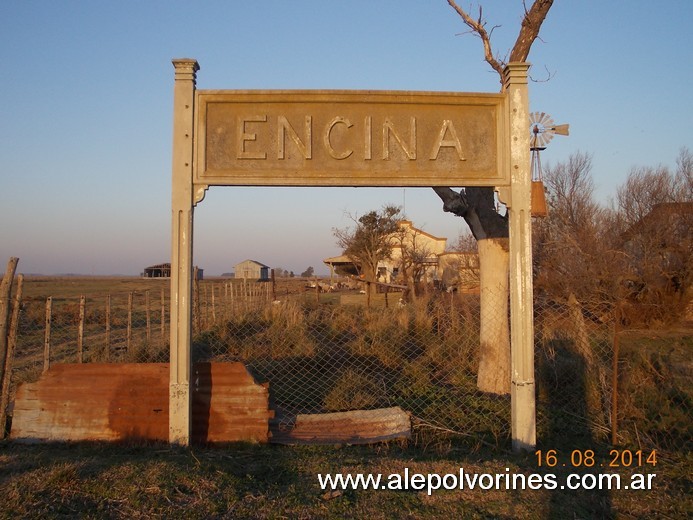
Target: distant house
(459, 270)
(164, 271)
(157, 271)
(659, 246)
(252, 270)
(434, 263)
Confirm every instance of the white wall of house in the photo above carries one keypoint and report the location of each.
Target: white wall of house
(250, 270)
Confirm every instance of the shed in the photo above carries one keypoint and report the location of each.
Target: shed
(164, 271)
(157, 271)
(252, 270)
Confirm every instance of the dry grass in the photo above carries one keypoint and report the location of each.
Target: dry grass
(243, 481)
(118, 481)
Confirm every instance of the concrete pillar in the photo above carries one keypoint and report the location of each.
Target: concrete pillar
(523, 407)
(182, 203)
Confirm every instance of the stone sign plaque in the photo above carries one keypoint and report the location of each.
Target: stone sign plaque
(350, 138)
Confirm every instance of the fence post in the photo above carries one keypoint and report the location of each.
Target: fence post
(9, 357)
(108, 327)
(196, 302)
(5, 304)
(80, 329)
(146, 312)
(129, 333)
(274, 287)
(163, 316)
(214, 308)
(47, 336)
(614, 377)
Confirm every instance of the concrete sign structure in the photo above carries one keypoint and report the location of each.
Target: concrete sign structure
(351, 138)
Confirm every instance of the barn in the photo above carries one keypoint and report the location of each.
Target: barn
(252, 270)
(164, 271)
(157, 271)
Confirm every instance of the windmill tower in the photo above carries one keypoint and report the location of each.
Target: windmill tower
(542, 130)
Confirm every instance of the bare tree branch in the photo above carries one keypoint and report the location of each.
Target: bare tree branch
(529, 31)
(477, 26)
(531, 24)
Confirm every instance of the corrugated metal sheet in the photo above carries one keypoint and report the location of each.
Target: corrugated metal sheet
(354, 427)
(115, 402)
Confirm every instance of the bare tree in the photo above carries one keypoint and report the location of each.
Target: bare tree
(478, 206)
(415, 258)
(574, 256)
(655, 210)
(368, 243)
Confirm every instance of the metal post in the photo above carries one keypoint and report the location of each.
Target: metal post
(523, 406)
(181, 255)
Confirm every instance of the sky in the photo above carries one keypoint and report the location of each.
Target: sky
(87, 96)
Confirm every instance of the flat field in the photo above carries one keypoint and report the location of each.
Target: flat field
(250, 481)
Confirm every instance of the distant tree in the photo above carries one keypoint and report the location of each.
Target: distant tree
(655, 222)
(573, 254)
(308, 272)
(369, 241)
(465, 243)
(279, 272)
(414, 258)
(291, 274)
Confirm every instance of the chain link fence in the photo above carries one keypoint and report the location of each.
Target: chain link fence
(327, 348)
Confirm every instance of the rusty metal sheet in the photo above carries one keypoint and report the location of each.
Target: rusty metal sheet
(354, 427)
(115, 402)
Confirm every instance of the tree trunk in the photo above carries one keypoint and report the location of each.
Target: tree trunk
(369, 276)
(494, 349)
(477, 207)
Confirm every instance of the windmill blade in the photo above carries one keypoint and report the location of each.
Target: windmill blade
(546, 121)
(561, 129)
(544, 138)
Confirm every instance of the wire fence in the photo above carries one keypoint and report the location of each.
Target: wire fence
(326, 348)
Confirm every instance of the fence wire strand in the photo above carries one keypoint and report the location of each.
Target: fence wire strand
(323, 350)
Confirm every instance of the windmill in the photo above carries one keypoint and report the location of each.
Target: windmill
(542, 130)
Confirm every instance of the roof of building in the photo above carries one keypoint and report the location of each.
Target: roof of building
(166, 265)
(260, 264)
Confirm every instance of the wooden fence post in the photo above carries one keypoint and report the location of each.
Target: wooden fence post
(163, 316)
(9, 357)
(80, 330)
(196, 302)
(5, 304)
(206, 320)
(47, 335)
(129, 333)
(614, 377)
(233, 299)
(146, 311)
(214, 308)
(274, 287)
(108, 327)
